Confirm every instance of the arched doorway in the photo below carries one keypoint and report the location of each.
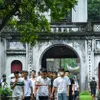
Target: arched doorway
(16, 65)
(99, 75)
(58, 51)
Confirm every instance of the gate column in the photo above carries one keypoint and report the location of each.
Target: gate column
(90, 59)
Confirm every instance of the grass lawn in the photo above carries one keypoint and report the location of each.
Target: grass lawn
(85, 97)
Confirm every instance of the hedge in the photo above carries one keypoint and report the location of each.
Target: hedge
(85, 96)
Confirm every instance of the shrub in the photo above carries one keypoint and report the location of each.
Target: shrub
(85, 96)
(85, 93)
(4, 92)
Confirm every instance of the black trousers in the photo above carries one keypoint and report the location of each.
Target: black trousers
(27, 98)
(76, 94)
(70, 97)
(43, 98)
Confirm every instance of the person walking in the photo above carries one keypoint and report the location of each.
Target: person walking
(76, 88)
(36, 86)
(33, 80)
(93, 86)
(43, 83)
(53, 78)
(62, 86)
(71, 86)
(17, 86)
(28, 89)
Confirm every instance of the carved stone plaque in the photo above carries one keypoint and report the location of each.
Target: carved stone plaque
(15, 45)
(97, 45)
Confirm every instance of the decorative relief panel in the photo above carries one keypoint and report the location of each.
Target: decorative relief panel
(30, 57)
(89, 52)
(96, 28)
(15, 45)
(97, 45)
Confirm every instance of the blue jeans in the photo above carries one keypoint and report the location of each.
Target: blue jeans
(62, 96)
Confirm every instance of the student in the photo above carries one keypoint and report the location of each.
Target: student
(93, 86)
(17, 86)
(62, 86)
(76, 88)
(71, 86)
(33, 80)
(28, 89)
(36, 86)
(54, 77)
(43, 83)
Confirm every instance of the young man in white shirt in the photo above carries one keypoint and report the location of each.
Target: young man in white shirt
(28, 89)
(71, 86)
(17, 86)
(33, 80)
(62, 86)
(43, 83)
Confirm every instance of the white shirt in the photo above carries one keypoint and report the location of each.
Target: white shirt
(43, 90)
(33, 83)
(61, 84)
(17, 90)
(76, 86)
(4, 84)
(68, 80)
(27, 87)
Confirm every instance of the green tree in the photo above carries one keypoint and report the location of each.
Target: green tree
(68, 61)
(30, 15)
(94, 10)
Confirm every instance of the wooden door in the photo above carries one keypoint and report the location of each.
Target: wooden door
(16, 65)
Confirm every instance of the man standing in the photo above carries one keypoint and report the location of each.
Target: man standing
(71, 86)
(43, 83)
(28, 89)
(33, 80)
(17, 86)
(4, 83)
(93, 86)
(62, 86)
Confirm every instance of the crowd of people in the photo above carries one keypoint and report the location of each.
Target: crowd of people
(46, 86)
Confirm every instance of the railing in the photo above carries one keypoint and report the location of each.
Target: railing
(75, 27)
(69, 27)
(63, 27)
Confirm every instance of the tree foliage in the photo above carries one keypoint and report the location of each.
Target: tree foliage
(68, 62)
(94, 10)
(31, 15)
